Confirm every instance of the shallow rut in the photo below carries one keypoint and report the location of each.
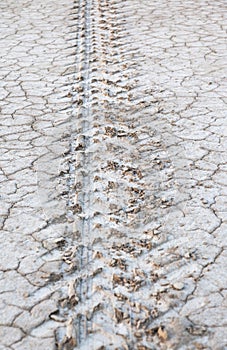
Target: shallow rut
(121, 190)
(113, 175)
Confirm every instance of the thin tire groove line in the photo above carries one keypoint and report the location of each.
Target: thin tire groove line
(86, 190)
(79, 60)
(87, 97)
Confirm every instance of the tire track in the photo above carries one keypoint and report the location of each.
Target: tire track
(121, 194)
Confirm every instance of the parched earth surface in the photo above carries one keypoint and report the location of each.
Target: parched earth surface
(113, 180)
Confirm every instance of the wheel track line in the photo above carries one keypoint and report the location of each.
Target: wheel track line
(86, 124)
(76, 177)
(84, 70)
(95, 110)
(106, 73)
(86, 180)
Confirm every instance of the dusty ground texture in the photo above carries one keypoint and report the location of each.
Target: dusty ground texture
(113, 175)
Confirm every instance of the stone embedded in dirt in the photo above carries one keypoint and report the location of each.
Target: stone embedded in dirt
(196, 330)
(154, 313)
(54, 277)
(121, 297)
(162, 333)
(178, 285)
(97, 255)
(60, 242)
(56, 317)
(138, 334)
(73, 299)
(118, 315)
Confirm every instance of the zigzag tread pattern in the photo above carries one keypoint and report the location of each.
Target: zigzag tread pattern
(121, 194)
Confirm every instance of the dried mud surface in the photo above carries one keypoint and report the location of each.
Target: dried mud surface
(113, 175)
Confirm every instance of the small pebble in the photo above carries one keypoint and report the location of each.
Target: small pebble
(178, 285)
(162, 333)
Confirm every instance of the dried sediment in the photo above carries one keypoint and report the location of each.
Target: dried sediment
(114, 183)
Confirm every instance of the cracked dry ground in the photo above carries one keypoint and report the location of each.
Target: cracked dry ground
(113, 175)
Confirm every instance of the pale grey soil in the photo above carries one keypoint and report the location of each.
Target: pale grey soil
(113, 175)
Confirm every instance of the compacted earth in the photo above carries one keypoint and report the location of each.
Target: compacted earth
(113, 175)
